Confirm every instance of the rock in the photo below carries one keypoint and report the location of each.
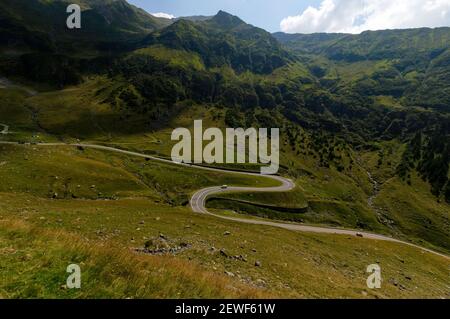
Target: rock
(393, 282)
(157, 245)
(162, 236)
(223, 252)
(228, 273)
(260, 282)
(141, 222)
(184, 245)
(240, 257)
(257, 263)
(227, 233)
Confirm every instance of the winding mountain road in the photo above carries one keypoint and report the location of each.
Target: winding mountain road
(198, 200)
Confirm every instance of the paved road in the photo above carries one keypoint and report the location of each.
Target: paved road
(5, 83)
(198, 200)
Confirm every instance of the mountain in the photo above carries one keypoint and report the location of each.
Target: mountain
(407, 64)
(41, 25)
(370, 45)
(373, 87)
(364, 126)
(194, 18)
(224, 40)
(308, 43)
(36, 43)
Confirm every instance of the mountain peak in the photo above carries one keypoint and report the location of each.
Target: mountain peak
(224, 19)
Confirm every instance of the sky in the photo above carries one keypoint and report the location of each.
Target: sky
(309, 16)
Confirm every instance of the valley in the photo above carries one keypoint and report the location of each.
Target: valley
(87, 176)
(114, 205)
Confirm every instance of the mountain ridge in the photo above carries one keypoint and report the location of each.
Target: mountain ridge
(364, 126)
(375, 86)
(224, 39)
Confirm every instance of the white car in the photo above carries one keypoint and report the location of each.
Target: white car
(224, 187)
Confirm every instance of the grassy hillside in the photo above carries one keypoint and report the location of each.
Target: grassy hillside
(126, 203)
(102, 22)
(364, 123)
(108, 272)
(332, 177)
(415, 62)
(305, 265)
(36, 43)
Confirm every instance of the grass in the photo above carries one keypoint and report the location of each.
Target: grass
(254, 209)
(414, 212)
(73, 173)
(293, 199)
(134, 200)
(409, 211)
(300, 265)
(34, 260)
(175, 58)
(333, 198)
(388, 101)
(290, 206)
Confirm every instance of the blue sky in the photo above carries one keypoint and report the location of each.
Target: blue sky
(266, 14)
(309, 16)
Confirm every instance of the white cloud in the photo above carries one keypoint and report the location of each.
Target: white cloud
(163, 15)
(355, 16)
